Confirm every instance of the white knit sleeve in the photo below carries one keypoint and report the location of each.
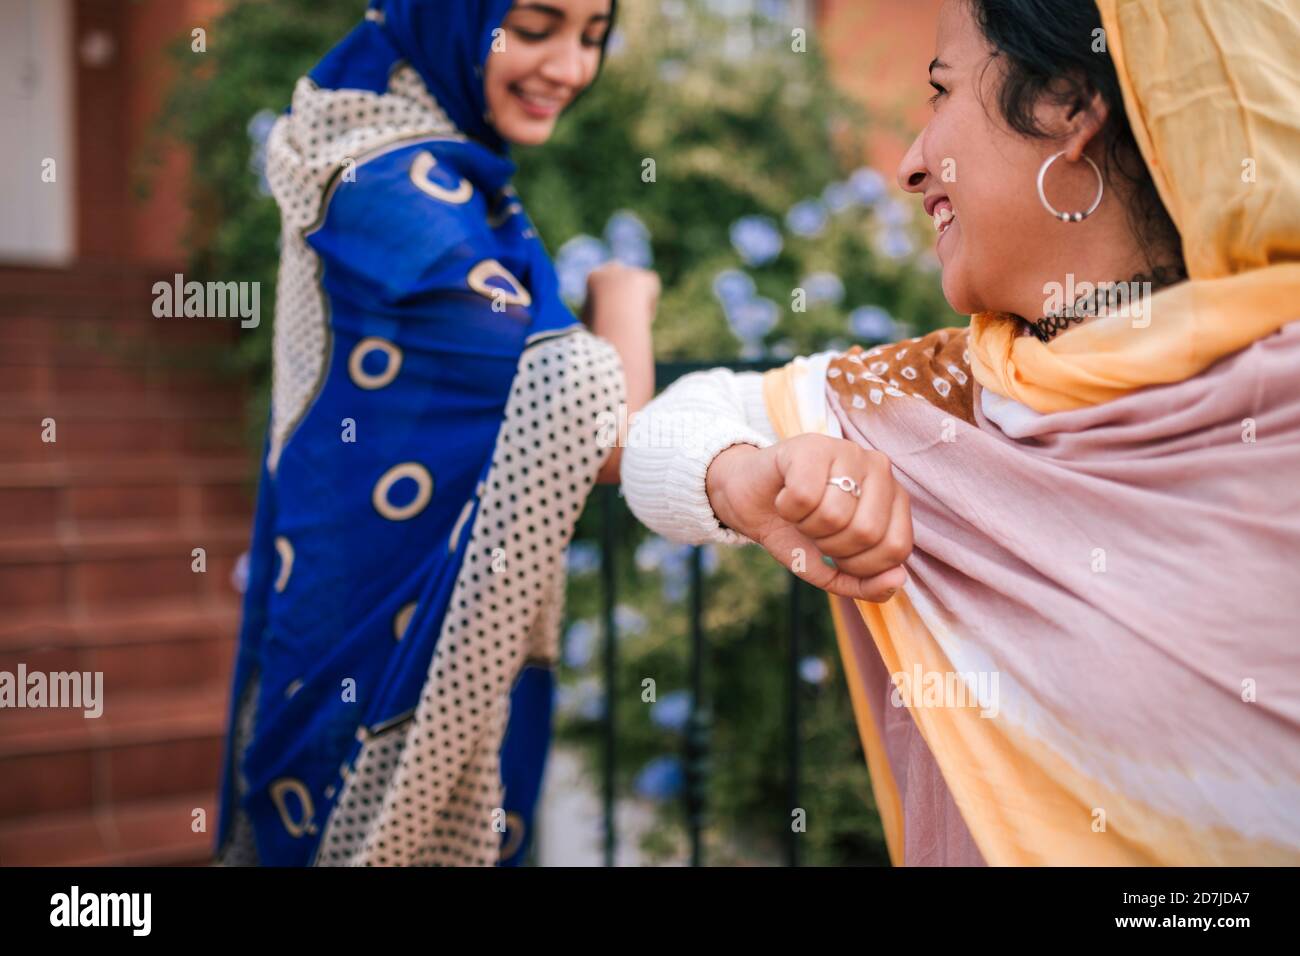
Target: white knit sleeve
(675, 438)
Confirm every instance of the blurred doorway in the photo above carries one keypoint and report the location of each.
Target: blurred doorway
(37, 165)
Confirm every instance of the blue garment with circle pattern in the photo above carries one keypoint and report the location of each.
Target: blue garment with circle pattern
(433, 280)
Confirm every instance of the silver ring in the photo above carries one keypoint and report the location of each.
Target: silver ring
(1069, 216)
(845, 483)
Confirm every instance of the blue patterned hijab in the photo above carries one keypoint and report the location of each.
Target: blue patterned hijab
(448, 45)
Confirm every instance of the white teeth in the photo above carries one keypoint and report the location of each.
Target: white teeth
(942, 217)
(541, 101)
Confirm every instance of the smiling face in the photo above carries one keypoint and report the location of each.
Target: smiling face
(996, 242)
(548, 52)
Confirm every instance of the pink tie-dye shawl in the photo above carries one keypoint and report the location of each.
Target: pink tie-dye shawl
(1118, 587)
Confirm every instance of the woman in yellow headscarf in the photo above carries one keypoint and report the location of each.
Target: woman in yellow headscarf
(1080, 516)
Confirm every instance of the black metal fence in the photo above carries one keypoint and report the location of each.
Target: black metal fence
(696, 757)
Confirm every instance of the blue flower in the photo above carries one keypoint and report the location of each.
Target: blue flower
(629, 621)
(731, 287)
(672, 711)
(574, 262)
(584, 700)
(625, 226)
(872, 323)
(676, 583)
(583, 558)
(676, 572)
(813, 670)
(894, 212)
(629, 239)
(259, 127)
(895, 244)
(839, 197)
(660, 779)
(753, 319)
(807, 218)
(673, 562)
(824, 287)
(757, 239)
(580, 643)
(259, 130)
(653, 552)
(868, 186)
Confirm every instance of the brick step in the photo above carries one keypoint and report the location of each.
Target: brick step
(125, 471)
(52, 339)
(90, 440)
(120, 540)
(82, 278)
(99, 570)
(74, 301)
(88, 409)
(137, 356)
(153, 622)
(130, 668)
(103, 336)
(45, 382)
(151, 744)
(41, 326)
(151, 832)
(51, 494)
(66, 293)
(25, 511)
(130, 717)
(213, 358)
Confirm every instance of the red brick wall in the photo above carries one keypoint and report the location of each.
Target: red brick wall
(117, 145)
(878, 52)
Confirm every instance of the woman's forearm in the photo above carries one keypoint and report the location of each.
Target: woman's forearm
(675, 439)
(621, 306)
(632, 340)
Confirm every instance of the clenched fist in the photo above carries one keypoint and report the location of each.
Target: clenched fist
(793, 496)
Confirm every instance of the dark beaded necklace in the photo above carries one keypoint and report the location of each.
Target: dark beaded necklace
(1090, 303)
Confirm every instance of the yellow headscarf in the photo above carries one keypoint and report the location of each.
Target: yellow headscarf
(1212, 89)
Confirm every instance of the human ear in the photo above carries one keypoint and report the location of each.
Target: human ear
(1086, 120)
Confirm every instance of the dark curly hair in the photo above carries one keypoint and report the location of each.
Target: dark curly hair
(1047, 50)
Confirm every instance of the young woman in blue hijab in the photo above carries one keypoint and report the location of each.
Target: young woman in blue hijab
(435, 428)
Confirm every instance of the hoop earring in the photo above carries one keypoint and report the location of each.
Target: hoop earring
(1069, 216)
